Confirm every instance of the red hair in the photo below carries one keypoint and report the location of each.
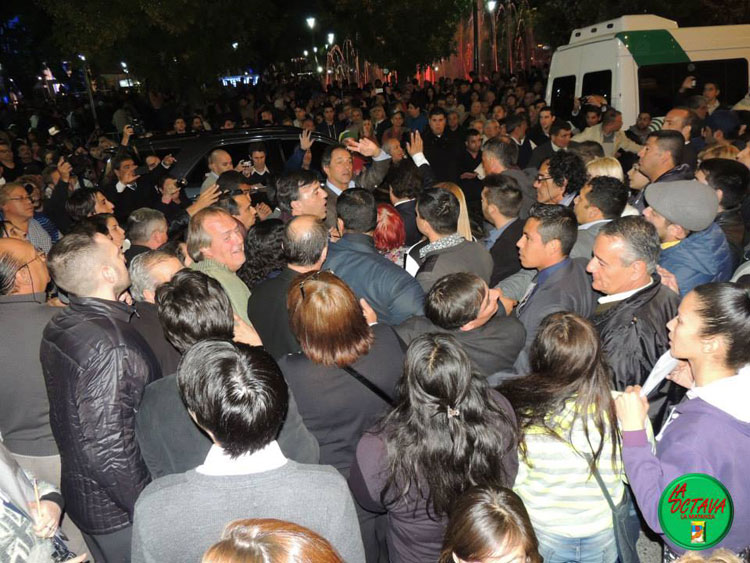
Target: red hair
(390, 232)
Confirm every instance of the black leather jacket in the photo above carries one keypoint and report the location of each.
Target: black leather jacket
(95, 366)
(634, 336)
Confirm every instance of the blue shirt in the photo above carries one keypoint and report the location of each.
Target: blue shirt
(495, 233)
(544, 275)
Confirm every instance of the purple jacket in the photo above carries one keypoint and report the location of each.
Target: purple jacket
(703, 439)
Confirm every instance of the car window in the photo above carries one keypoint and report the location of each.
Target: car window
(563, 92)
(657, 84)
(598, 83)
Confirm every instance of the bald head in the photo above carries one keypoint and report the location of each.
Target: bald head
(305, 242)
(219, 161)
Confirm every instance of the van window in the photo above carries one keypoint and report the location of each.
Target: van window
(563, 93)
(598, 83)
(658, 84)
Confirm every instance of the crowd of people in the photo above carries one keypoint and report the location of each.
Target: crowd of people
(438, 346)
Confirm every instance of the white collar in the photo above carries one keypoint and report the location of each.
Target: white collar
(623, 295)
(259, 173)
(403, 201)
(555, 148)
(218, 461)
(728, 394)
(592, 223)
(336, 190)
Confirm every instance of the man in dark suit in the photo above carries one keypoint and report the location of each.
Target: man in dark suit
(560, 133)
(442, 148)
(516, 127)
(391, 292)
(462, 305)
(403, 190)
(562, 283)
(305, 246)
(330, 126)
(501, 204)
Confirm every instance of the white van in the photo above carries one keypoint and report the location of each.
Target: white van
(638, 63)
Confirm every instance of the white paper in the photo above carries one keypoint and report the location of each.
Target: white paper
(662, 368)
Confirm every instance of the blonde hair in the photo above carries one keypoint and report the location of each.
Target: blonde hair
(718, 151)
(605, 166)
(717, 556)
(464, 225)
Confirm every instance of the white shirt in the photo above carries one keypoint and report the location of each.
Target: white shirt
(218, 461)
(622, 295)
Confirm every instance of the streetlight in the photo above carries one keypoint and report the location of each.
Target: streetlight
(124, 66)
(82, 57)
(330, 38)
(311, 22)
(320, 69)
(315, 49)
(235, 45)
(305, 52)
(491, 5)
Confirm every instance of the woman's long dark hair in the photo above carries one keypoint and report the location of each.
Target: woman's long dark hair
(566, 363)
(263, 252)
(446, 433)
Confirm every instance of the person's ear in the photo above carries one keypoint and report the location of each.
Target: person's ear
(23, 278)
(637, 269)
(340, 224)
(553, 247)
(680, 233)
(109, 275)
(149, 296)
(324, 255)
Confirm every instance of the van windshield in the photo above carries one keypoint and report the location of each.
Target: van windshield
(659, 84)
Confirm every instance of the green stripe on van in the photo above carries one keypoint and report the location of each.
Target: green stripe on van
(656, 46)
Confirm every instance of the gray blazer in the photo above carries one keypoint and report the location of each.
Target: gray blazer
(567, 289)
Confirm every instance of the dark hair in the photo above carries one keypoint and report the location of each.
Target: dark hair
(502, 149)
(559, 125)
(513, 121)
(471, 133)
(266, 540)
(724, 309)
(610, 115)
(192, 307)
(566, 339)
(327, 320)
(446, 415)
(440, 209)
(236, 392)
(564, 165)
(587, 150)
(288, 185)
(263, 251)
(455, 299)
(94, 224)
(231, 180)
(504, 193)
(304, 247)
(81, 203)
(729, 176)
(671, 142)
(640, 238)
(257, 147)
(117, 160)
(609, 195)
(405, 180)
(437, 110)
(356, 208)
(486, 520)
(556, 222)
(325, 160)
(546, 108)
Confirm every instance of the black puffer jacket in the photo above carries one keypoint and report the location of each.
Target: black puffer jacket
(634, 336)
(95, 366)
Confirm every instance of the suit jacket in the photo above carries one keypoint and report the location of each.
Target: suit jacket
(595, 133)
(369, 179)
(584, 246)
(146, 322)
(144, 194)
(391, 292)
(504, 252)
(408, 212)
(170, 442)
(566, 289)
(443, 154)
(464, 257)
(492, 347)
(267, 310)
(540, 154)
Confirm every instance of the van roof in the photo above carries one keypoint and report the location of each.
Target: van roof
(608, 29)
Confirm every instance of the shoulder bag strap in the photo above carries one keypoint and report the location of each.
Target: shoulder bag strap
(369, 384)
(600, 481)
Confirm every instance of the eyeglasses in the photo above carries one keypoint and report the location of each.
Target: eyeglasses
(39, 256)
(22, 198)
(313, 277)
(542, 178)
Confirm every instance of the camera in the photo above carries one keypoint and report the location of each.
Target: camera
(182, 183)
(137, 125)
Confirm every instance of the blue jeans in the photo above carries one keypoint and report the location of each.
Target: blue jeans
(599, 548)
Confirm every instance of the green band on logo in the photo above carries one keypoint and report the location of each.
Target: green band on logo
(651, 47)
(696, 511)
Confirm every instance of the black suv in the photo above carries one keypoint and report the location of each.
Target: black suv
(192, 150)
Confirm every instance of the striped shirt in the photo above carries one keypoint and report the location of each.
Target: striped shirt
(561, 496)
